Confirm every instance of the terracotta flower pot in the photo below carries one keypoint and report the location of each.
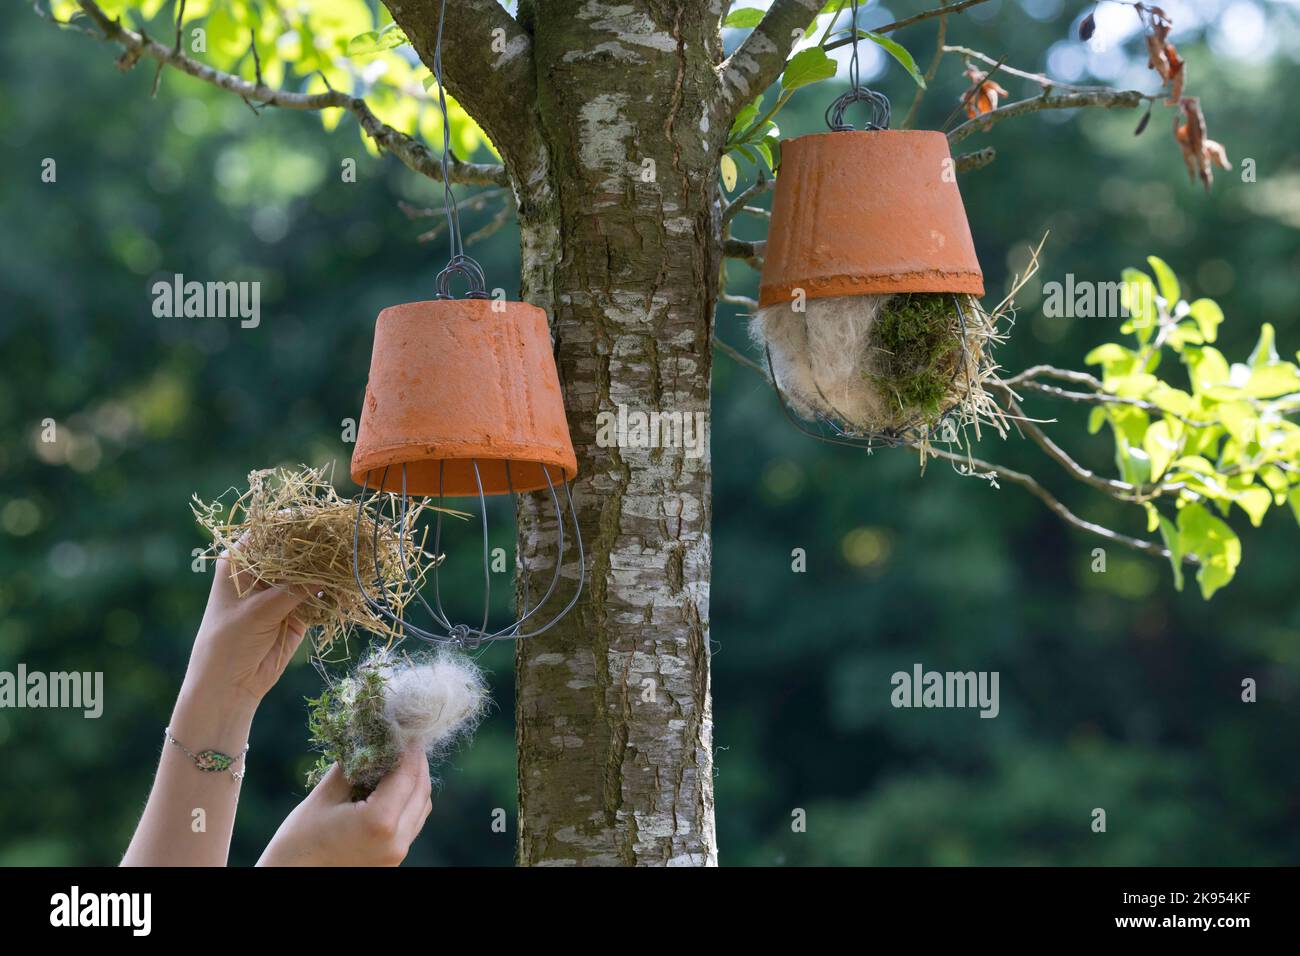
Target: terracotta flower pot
(453, 382)
(867, 213)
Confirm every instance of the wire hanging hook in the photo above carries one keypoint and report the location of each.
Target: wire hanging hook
(857, 93)
(459, 263)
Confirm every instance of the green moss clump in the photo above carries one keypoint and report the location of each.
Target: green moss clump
(916, 347)
(347, 725)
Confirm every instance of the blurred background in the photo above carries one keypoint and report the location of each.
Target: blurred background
(1117, 692)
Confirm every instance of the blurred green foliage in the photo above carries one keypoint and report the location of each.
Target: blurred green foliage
(1117, 691)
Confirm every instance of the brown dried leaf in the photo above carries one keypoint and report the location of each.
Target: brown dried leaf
(1200, 152)
(982, 97)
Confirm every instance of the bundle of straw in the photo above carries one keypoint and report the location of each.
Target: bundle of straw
(291, 528)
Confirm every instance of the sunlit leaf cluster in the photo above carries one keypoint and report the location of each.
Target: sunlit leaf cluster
(1203, 440)
(347, 45)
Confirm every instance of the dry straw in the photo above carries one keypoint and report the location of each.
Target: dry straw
(292, 529)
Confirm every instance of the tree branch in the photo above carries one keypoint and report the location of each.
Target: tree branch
(908, 21)
(1041, 79)
(1108, 99)
(488, 67)
(761, 56)
(1056, 507)
(409, 150)
(750, 252)
(972, 465)
(760, 185)
(976, 160)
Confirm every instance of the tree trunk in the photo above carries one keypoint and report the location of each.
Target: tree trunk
(614, 722)
(606, 115)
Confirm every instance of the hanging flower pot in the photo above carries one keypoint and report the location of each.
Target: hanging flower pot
(867, 304)
(463, 400)
(463, 393)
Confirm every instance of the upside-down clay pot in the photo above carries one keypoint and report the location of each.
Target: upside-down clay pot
(867, 213)
(453, 383)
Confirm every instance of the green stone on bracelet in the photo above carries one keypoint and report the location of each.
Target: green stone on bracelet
(213, 761)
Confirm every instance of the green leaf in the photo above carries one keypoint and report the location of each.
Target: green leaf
(364, 44)
(807, 67)
(1167, 281)
(1162, 443)
(1213, 542)
(1096, 419)
(1265, 351)
(1275, 479)
(774, 152)
(1208, 367)
(1255, 502)
(1173, 542)
(1138, 297)
(1208, 316)
(1172, 400)
(744, 18)
(1271, 381)
(1240, 419)
(1295, 502)
(899, 53)
(1134, 465)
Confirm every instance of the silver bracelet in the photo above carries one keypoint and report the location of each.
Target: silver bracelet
(211, 761)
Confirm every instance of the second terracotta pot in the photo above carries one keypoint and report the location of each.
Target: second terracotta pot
(454, 383)
(866, 213)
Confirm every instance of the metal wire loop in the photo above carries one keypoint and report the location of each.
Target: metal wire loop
(879, 104)
(857, 93)
(470, 270)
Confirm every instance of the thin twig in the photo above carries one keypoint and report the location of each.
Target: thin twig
(976, 160)
(749, 252)
(760, 185)
(736, 355)
(908, 21)
(1056, 507)
(180, 26)
(1108, 99)
(931, 73)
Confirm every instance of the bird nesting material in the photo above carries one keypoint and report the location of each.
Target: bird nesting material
(291, 528)
(882, 365)
(390, 703)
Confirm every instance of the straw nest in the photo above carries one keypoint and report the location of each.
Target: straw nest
(290, 528)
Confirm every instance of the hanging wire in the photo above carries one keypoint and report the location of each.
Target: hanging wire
(459, 264)
(857, 93)
(384, 509)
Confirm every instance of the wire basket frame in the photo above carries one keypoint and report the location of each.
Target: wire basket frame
(839, 432)
(375, 502)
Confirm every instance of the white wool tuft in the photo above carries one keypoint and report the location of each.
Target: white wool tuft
(432, 702)
(821, 357)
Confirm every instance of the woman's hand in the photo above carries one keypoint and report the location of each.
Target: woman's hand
(244, 643)
(328, 829)
(242, 648)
